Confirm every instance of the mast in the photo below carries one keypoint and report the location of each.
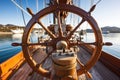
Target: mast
(63, 14)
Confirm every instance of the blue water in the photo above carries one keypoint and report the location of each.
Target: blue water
(7, 51)
(114, 38)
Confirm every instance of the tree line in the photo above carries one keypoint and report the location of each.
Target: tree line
(8, 27)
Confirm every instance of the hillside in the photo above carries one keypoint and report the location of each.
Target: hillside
(111, 29)
(8, 27)
(107, 28)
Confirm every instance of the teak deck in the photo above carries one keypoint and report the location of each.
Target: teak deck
(99, 71)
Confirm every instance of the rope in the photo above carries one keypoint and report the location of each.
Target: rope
(17, 12)
(37, 5)
(92, 2)
(21, 8)
(22, 13)
(27, 3)
(64, 67)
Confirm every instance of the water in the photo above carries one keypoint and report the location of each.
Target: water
(115, 48)
(114, 38)
(7, 51)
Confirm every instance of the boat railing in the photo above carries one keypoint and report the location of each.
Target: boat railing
(8, 67)
(111, 62)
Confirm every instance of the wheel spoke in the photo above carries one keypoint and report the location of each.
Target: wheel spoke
(39, 64)
(73, 31)
(81, 43)
(32, 44)
(92, 43)
(35, 44)
(48, 31)
(59, 24)
(82, 66)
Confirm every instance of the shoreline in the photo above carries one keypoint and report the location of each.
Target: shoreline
(5, 33)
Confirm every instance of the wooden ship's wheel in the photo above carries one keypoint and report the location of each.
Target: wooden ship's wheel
(62, 42)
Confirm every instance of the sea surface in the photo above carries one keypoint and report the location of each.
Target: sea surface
(114, 38)
(7, 51)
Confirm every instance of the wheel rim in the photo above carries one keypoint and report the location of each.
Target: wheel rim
(70, 8)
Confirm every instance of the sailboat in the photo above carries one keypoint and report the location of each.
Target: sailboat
(60, 57)
(17, 31)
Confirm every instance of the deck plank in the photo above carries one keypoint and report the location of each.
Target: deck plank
(99, 71)
(22, 73)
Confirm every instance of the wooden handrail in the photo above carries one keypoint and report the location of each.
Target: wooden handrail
(8, 67)
(111, 62)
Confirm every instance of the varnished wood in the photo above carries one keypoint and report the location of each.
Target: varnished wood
(108, 60)
(83, 55)
(8, 67)
(73, 9)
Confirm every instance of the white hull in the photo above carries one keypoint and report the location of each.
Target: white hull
(17, 31)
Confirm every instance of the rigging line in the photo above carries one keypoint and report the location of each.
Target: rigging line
(21, 8)
(73, 15)
(79, 3)
(92, 2)
(86, 33)
(22, 13)
(50, 14)
(49, 18)
(27, 3)
(44, 3)
(71, 19)
(98, 2)
(17, 12)
(37, 5)
(36, 12)
(74, 2)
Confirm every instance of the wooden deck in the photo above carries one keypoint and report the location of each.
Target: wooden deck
(99, 71)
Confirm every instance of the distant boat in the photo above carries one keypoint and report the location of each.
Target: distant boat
(17, 31)
(17, 36)
(105, 32)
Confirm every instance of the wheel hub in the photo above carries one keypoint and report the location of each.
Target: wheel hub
(61, 45)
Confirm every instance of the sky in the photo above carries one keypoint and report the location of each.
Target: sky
(107, 12)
